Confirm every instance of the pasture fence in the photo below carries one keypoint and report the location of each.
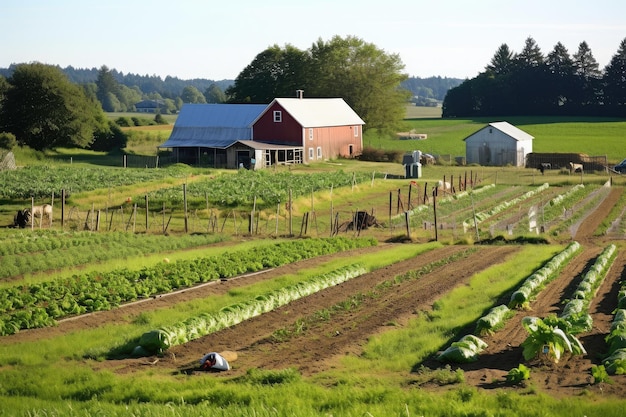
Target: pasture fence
(562, 161)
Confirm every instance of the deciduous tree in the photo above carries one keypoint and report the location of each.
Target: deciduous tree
(192, 95)
(43, 109)
(275, 72)
(365, 76)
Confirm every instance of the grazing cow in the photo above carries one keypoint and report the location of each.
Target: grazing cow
(575, 167)
(40, 212)
(543, 166)
(21, 218)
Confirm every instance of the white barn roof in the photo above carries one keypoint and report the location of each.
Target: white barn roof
(213, 125)
(320, 112)
(508, 129)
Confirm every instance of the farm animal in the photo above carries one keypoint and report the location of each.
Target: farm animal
(443, 186)
(40, 212)
(21, 218)
(575, 167)
(361, 221)
(543, 166)
(427, 159)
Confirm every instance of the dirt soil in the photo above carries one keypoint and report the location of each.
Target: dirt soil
(347, 332)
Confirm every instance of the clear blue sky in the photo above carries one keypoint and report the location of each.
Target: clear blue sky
(217, 39)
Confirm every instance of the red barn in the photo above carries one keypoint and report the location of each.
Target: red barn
(325, 128)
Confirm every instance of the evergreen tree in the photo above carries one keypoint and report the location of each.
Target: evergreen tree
(559, 61)
(502, 61)
(108, 90)
(615, 82)
(587, 88)
(531, 55)
(560, 78)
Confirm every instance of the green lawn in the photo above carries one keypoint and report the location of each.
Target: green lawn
(588, 135)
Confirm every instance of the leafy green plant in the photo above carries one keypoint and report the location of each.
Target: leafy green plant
(159, 340)
(599, 374)
(493, 320)
(39, 305)
(519, 374)
(549, 338)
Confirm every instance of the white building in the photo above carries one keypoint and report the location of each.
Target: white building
(498, 144)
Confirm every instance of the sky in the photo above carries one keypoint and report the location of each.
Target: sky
(216, 40)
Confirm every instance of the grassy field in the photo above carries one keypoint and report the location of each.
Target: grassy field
(60, 376)
(591, 136)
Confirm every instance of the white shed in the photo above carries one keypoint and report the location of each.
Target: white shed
(499, 144)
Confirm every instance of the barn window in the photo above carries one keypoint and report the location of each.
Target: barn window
(278, 116)
(356, 131)
(319, 152)
(311, 154)
(310, 133)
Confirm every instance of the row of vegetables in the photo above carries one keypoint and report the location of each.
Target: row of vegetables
(615, 360)
(552, 336)
(44, 250)
(159, 340)
(482, 216)
(40, 305)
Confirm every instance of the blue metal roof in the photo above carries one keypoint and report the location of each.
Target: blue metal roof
(213, 125)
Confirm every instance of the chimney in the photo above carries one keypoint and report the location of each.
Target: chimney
(300, 94)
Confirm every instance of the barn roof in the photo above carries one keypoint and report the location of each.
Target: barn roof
(508, 129)
(319, 112)
(213, 125)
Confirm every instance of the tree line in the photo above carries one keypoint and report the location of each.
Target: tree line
(119, 92)
(531, 83)
(42, 108)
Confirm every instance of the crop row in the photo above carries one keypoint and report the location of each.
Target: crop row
(543, 275)
(581, 209)
(468, 347)
(576, 311)
(615, 359)
(46, 250)
(39, 305)
(159, 340)
(553, 336)
(482, 216)
(449, 204)
(41, 181)
(269, 188)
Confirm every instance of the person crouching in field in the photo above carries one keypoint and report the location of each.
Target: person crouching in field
(214, 361)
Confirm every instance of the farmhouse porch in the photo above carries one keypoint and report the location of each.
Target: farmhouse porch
(241, 154)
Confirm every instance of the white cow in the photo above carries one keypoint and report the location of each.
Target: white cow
(575, 167)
